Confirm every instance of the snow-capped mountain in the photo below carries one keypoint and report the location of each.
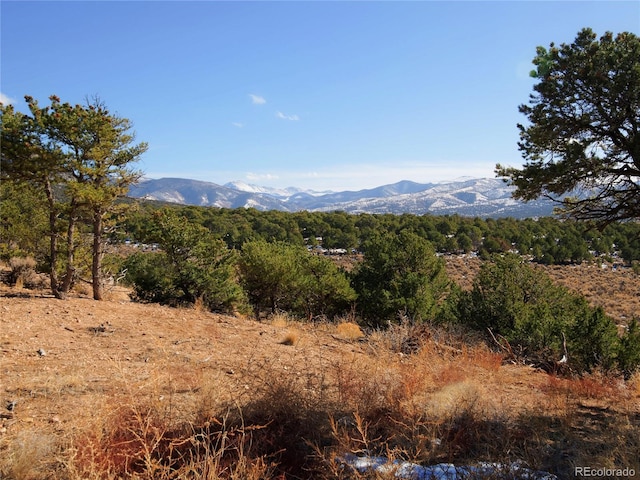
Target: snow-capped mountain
(482, 197)
(194, 192)
(275, 192)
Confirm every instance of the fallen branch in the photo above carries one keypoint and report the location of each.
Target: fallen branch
(507, 347)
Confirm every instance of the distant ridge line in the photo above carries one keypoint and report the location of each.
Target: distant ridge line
(474, 197)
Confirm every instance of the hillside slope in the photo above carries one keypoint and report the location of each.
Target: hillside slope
(80, 376)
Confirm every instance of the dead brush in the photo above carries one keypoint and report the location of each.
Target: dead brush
(200, 305)
(284, 411)
(601, 436)
(132, 434)
(463, 428)
(280, 320)
(130, 441)
(350, 435)
(594, 386)
(448, 375)
(453, 426)
(371, 386)
(634, 384)
(482, 357)
(23, 274)
(426, 408)
(283, 320)
(291, 338)
(219, 449)
(136, 444)
(381, 409)
(28, 455)
(402, 336)
(349, 331)
(291, 418)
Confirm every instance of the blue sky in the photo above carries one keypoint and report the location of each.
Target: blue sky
(322, 95)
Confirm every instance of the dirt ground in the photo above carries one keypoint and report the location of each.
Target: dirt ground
(57, 356)
(65, 364)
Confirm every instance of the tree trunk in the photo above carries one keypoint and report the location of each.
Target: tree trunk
(96, 265)
(53, 240)
(71, 269)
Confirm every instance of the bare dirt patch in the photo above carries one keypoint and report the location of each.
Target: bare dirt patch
(53, 350)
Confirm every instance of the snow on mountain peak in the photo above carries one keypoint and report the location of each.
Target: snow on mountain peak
(465, 196)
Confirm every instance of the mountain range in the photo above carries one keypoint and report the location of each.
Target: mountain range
(476, 197)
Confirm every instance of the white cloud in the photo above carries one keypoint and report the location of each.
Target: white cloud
(257, 99)
(255, 177)
(6, 99)
(346, 176)
(281, 115)
(237, 124)
(360, 176)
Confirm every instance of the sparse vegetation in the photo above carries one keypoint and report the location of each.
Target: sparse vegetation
(349, 331)
(23, 273)
(182, 393)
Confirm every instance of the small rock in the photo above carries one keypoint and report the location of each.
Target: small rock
(41, 352)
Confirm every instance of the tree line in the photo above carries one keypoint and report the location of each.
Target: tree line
(546, 240)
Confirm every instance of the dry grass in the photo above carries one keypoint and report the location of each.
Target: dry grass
(22, 274)
(292, 337)
(29, 454)
(147, 392)
(280, 320)
(349, 331)
(292, 332)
